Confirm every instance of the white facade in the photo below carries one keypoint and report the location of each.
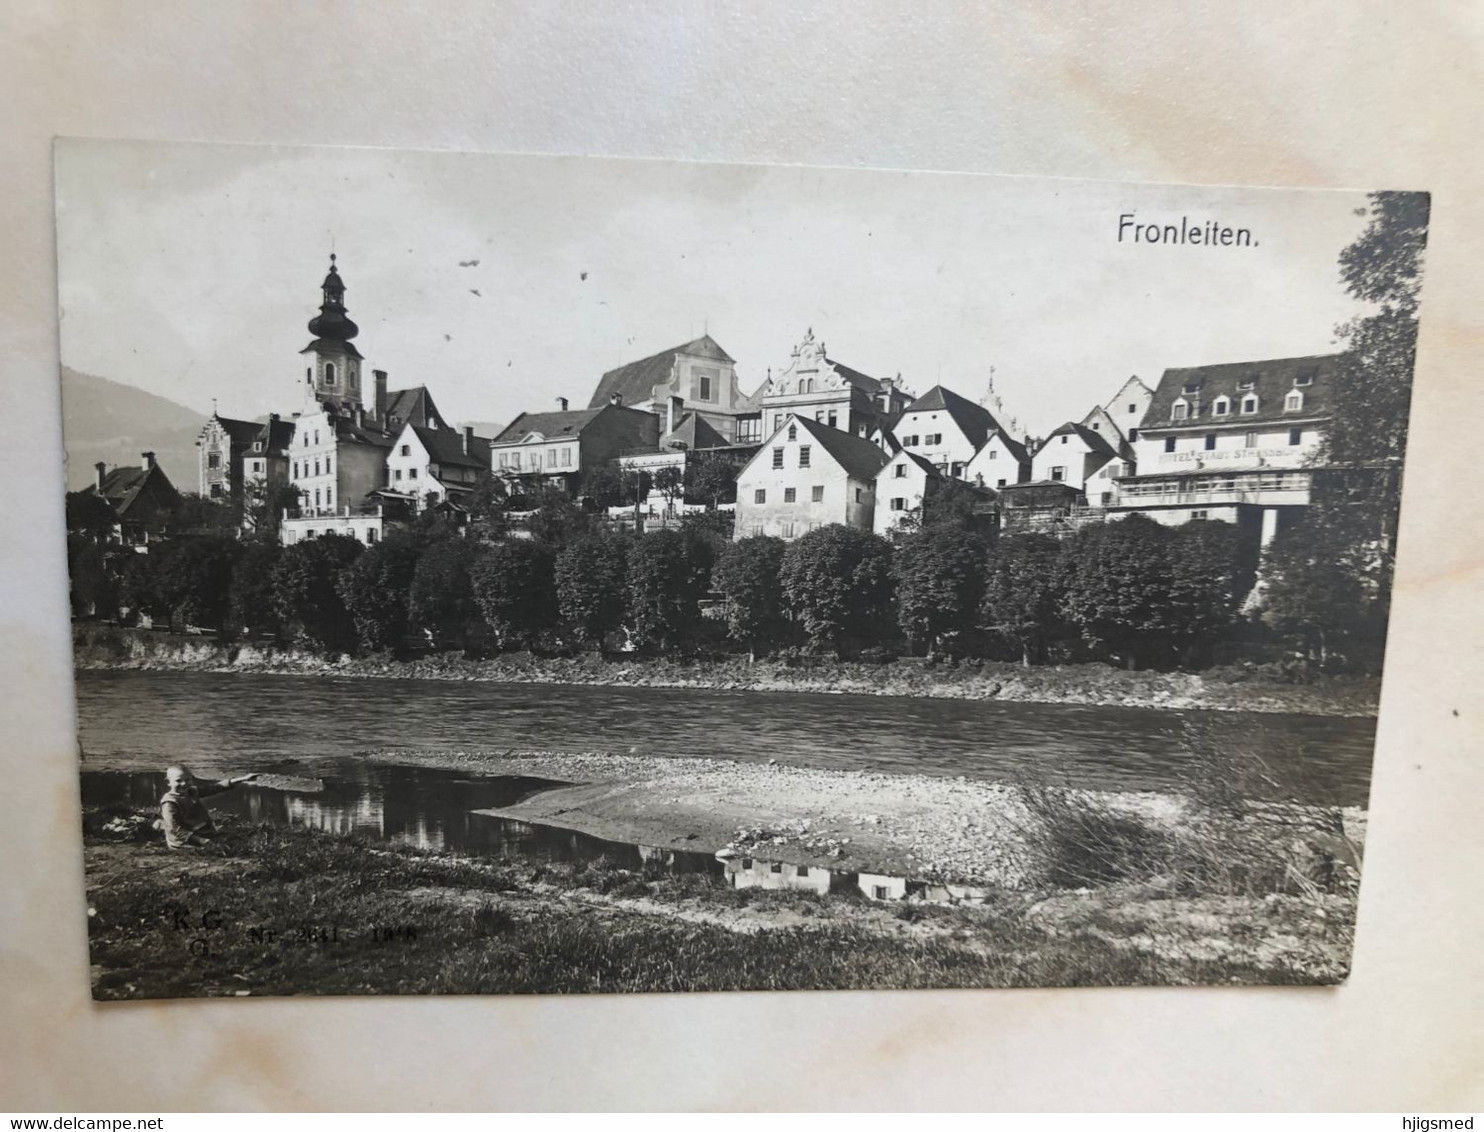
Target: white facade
(368, 527)
(1067, 458)
(997, 464)
(794, 485)
(901, 487)
(936, 437)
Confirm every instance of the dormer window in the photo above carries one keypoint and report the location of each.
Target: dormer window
(1191, 389)
(1247, 383)
(1293, 402)
(1305, 377)
(1222, 406)
(1249, 404)
(1179, 411)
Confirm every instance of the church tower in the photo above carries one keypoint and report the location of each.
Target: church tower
(333, 376)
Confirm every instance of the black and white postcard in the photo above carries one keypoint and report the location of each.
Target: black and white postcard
(509, 574)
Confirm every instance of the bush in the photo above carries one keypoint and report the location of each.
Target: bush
(306, 592)
(837, 580)
(748, 574)
(1084, 842)
(375, 588)
(515, 589)
(590, 574)
(939, 572)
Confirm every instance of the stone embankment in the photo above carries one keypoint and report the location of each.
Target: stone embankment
(1228, 689)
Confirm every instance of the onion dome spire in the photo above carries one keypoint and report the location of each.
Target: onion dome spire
(332, 321)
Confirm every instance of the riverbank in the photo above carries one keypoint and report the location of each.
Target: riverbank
(1235, 688)
(275, 911)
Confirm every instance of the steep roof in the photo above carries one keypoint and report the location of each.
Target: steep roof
(1271, 381)
(857, 455)
(694, 432)
(243, 433)
(635, 381)
(446, 446)
(122, 487)
(1094, 440)
(411, 406)
(276, 435)
(550, 425)
(1013, 446)
(974, 421)
(862, 381)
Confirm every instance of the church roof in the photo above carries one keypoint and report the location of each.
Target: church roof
(635, 381)
(974, 421)
(332, 324)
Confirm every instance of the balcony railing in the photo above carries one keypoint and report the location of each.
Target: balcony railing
(1261, 488)
(363, 511)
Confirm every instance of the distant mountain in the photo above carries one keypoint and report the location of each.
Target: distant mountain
(103, 420)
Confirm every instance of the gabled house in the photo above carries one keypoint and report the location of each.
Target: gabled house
(824, 390)
(1001, 461)
(224, 443)
(266, 463)
(142, 498)
(807, 475)
(700, 373)
(945, 429)
(1072, 455)
(556, 449)
(1123, 412)
(430, 466)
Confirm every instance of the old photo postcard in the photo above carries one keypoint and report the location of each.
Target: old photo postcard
(510, 574)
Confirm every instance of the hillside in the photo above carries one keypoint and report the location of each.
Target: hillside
(103, 420)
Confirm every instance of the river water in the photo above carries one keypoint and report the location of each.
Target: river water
(243, 720)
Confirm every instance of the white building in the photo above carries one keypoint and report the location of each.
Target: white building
(430, 466)
(1001, 461)
(819, 388)
(1235, 442)
(945, 429)
(807, 475)
(699, 373)
(1072, 455)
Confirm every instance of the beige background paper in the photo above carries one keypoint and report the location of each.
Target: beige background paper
(1360, 95)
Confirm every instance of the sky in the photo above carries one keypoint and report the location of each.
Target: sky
(503, 282)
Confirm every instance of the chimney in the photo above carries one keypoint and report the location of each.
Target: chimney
(273, 417)
(469, 435)
(102, 469)
(380, 376)
(360, 417)
(672, 412)
(147, 460)
(562, 404)
(616, 399)
(886, 387)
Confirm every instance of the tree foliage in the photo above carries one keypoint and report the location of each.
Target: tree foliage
(93, 592)
(748, 573)
(670, 483)
(667, 578)
(837, 580)
(375, 589)
(939, 572)
(251, 605)
(193, 580)
(591, 575)
(440, 596)
(1324, 583)
(515, 588)
(710, 480)
(88, 513)
(306, 590)
(1023, 593)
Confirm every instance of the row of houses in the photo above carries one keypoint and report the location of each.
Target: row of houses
(818, 442)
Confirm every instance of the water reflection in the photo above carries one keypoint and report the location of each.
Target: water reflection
(427, 808)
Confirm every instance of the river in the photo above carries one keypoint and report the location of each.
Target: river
(239, 721)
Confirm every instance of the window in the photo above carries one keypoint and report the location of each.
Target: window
(704, 379)
(214, 460)
(397, 474)
(790, 495)
(371, 535)
(994, 453)
(1295, 436)
(819, 415)
(1305, 377)
(806, 385)
(803, 871)
(859, 495)
(747, 864)
(296, 469)
(407, 450)
(309, 533)
(935, 438)
(257, 465)
(329, 497)
(316, 467)
(831, 420)
(1133, 435)
(1222, 406)
(412, 473)
(760, 496)
(909, 442)
(329, 373)
(778, 457)
(793, 432)
(1247, 383)
(777, 421)
(1132, 407)
(776, 867)
(999, 483)
(1169, 444)
(1179, 411)
(1210, 442)
(1058, 474)
(898, 503)
(1194, 515)
(1250, 440)
(1249, 405)
(515, 460)
(1064, 438)
(316, 497)
(816, 493)
(803, 455)
(327, 465)
(878, 892)
(1293, 402)
(1192, 388)
(900, 471)
(216, 491)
